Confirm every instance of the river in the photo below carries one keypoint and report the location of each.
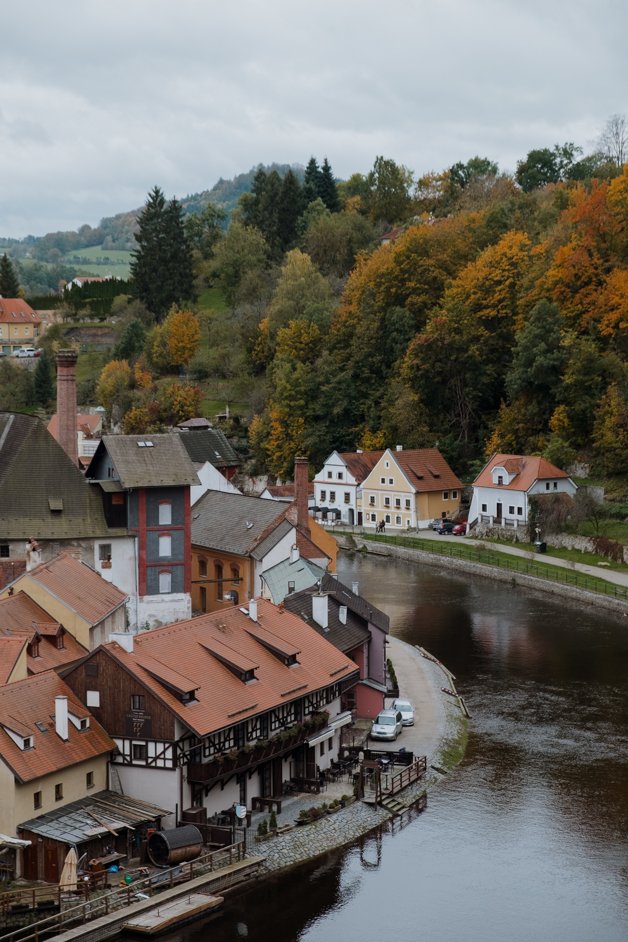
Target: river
(527, 839)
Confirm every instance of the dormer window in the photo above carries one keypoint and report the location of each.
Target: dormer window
(500, 478)
(27, 743)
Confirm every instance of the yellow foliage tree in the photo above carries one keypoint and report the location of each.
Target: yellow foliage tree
(114, 386)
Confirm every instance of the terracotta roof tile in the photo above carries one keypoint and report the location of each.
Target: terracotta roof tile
(426, 469)
(10, 650)
(30, 704)
(221, 694)
(360, 463)
(526, 468)
(17, 311)
(79, 587)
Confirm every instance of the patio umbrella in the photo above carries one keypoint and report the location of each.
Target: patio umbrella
(67, 880)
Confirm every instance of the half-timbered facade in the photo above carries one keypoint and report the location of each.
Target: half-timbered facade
(220, 710)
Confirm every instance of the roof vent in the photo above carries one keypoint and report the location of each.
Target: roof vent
(253, 609)
(342, 614)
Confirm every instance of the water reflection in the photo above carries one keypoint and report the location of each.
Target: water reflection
(527, 840)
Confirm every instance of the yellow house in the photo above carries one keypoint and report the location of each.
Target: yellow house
(52, 751)
(408, 489)
(19, 325)
(72, 594)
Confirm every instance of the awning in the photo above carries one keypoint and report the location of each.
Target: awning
(337, 722)
(6, 841)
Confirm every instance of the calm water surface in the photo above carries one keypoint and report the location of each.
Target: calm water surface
(527, 839)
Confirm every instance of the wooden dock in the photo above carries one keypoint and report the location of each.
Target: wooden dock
(167, 915)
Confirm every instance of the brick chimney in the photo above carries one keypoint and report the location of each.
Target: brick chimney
(300, 493)
(66, 402)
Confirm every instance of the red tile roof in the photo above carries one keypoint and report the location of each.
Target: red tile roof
(27, 707)
(17, 311)
(79, 587)
(22, 618)
(360, 463)
(426, 469)
(526, 468)
(203, 647)
(10, 650)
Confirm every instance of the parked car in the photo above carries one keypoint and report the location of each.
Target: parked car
(436, 523)
(27, 352)
(460, 529)
(387, 725)
(445, 526)
(406, 709)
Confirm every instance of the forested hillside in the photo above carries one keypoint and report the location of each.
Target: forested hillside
(469, 309)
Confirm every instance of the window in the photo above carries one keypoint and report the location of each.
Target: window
(91, 669)
(202, 567)
(547, 485)
(139, 752)
(137, 701)
(398, 521)
(445, 495)
(36, 800)
(165, 545)
(382, 480)
(500, 478)
(59, 791)
(372, 500)
(4, 550)
(387, 518)
(165, 513)
(104, 552)
(203, 597)
(483, 508)
(60, 642)
(387, 464)
(347, 497)
(511, 510)
(332, 497)
(407, 503)
(165, 582)
(329, 475)
(322, 748)
(391, 480)
(386, 501)
(519, 511)
(323, 496)
(340, 476)
(89, 780)
(454, 495)
(397, 501)
(92, 698)
(555, 485)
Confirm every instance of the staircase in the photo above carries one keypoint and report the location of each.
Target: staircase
(392, 804)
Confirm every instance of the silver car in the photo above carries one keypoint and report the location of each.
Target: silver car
(387, 725)
(406, 709)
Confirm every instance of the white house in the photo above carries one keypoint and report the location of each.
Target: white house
(501, 490)
(337, 483)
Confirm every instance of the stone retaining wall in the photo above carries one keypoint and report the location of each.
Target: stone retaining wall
(488, 572)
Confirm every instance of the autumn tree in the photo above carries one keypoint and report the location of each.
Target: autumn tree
(114, 388)
(389, 187)
(333, 241)
(301, 293)
(239, 262)
(610, 432)
(9, 284)
(538, 356)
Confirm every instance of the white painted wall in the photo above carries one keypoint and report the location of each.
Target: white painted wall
(159, 786)
(323, 484)
(156, 610)
(279, 553)
(211, 480)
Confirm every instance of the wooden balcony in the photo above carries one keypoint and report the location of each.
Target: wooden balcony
(224, 766)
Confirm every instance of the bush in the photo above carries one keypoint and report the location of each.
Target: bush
(262, 828)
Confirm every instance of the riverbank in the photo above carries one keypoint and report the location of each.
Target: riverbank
(439, 733)
(567, 586)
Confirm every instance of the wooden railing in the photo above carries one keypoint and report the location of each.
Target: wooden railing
(407, 776)
(97, 903)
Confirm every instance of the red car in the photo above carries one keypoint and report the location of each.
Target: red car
(460, 529)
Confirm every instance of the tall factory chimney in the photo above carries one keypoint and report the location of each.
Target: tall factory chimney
(66, 402)
(300, 492)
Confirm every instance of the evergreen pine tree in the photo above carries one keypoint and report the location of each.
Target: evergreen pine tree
(328, 191)
(44, 384)
(250, 202)
(9, 285)
(161, 268)
(311, 181)
(289, 211)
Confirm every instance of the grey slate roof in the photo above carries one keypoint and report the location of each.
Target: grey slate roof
(302, 572)
(267, 543)
(209, 445)
(35, 473)
(345, 637)
(358, 605)
(233, 523)
(147, 460)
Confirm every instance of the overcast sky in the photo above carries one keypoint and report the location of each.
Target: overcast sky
(102, 99)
